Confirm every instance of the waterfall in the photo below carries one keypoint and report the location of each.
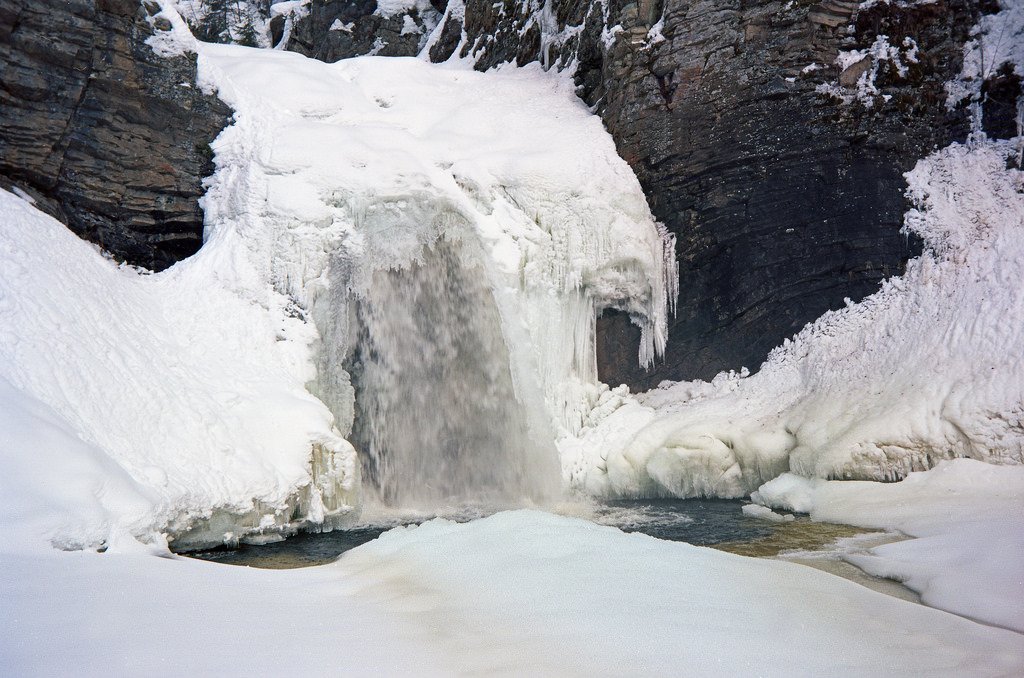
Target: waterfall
(437, 416)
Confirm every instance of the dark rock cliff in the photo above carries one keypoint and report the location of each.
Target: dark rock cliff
(106, 135)
(779, 172)
(784, 198)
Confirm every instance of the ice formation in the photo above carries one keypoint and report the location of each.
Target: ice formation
(967, 556)
(386, 227)
(928, 368)
(446, 248)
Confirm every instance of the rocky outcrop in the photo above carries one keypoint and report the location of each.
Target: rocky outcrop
(327, 30)
(339, 29)
(105, 135)
(779, 171)
(769, 137)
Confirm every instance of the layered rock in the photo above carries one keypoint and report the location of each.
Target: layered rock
(105, 135)
(780, 175)
(770, 137)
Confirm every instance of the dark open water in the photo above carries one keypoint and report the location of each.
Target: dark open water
(704, 522)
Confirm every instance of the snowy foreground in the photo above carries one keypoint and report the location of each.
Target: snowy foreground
(519, 593)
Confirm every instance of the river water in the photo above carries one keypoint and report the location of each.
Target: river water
(717, 523)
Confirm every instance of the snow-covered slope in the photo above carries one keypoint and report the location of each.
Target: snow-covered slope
(182, 390)
(928, 368)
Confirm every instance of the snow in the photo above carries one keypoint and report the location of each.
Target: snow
(519, 593)
(590, 600)
(178, 40)
(878, 54)
(389, 8)
(764, 513)
(997, 39)
(132, 613)
(188, 391)
(928, 368)
(968, 553)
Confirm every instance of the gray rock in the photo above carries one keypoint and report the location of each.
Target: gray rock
(111, 138)
(784, 201)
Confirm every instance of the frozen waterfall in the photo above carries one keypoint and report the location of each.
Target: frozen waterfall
(451, 255)
(436, 412)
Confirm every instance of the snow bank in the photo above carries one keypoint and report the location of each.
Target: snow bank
(539, 594)
(138, 406)
(928, 368)
(185, 388)
(968, 555)
(519, 593)
(132, 614)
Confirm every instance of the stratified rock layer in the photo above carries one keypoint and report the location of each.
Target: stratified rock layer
(785, 200)
(779, 171)
(106, 135)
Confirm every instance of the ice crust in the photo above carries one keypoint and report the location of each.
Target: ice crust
(928, 368)
(967, 556)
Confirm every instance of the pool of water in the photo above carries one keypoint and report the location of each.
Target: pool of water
(718, 523)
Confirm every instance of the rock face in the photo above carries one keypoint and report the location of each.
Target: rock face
(779, 172)
(105, 135)
(770, 137)
(339, 29)
(780, 175)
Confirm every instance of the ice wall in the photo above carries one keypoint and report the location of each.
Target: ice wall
(453, 236)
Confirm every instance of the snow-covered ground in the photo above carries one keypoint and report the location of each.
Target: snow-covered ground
(519, 593)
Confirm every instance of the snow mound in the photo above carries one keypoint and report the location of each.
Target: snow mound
(174, 397)
(517, 594)
(928, 368)
(968, 554)
(538, 594)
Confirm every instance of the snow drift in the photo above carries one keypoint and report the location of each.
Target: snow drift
(929, 368)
